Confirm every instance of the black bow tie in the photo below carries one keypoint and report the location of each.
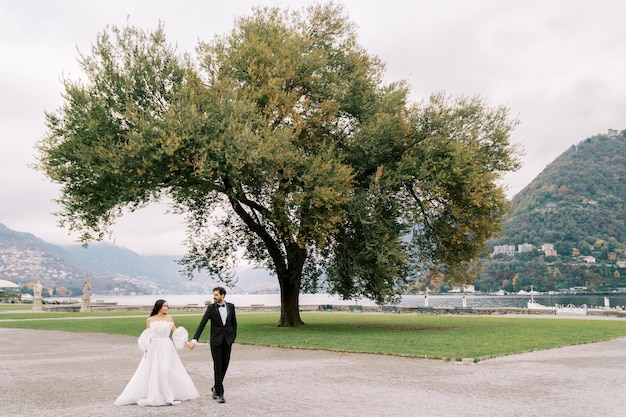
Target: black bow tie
(221, 305)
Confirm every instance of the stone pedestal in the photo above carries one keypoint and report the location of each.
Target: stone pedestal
(37, 304)
(85, 306)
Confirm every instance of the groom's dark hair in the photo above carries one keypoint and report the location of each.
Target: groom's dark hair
(222, 290)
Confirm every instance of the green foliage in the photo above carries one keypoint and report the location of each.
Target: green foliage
(108, 145)
(282, 146)
(461, 150)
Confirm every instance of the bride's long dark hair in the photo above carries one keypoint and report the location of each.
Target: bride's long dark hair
(157, 307)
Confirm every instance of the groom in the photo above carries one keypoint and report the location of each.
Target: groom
(223, 332)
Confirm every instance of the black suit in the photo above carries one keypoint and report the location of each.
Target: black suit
(221, 341)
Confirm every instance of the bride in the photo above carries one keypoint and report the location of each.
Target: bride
(160, 378)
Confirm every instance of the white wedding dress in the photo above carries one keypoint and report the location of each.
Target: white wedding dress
(160, 378)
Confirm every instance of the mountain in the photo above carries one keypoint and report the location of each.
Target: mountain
(161, 270)
(110, 269)
(580, 197)
(576, 210)
(24, 258)
(111, 260)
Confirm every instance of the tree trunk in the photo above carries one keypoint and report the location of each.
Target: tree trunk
(289, 302)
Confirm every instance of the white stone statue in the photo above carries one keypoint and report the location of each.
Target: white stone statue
(86, 304)
(37, 303)
(37, 290)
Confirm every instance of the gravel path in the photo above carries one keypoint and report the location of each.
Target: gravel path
(52, 373)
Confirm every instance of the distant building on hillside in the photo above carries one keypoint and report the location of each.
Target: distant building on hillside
(503, 249)
(466, 288)
(589, 259)
(525, 247)
(548, 249)
(550, 252)
(612, 133)
(548, 207)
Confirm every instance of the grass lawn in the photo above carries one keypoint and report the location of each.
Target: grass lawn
(12, 306)
(429, 336)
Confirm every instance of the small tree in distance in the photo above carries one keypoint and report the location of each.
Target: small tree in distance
(281, 145)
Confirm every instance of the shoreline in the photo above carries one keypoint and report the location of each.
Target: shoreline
(499, 311)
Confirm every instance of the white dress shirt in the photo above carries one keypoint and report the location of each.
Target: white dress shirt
(223, 312)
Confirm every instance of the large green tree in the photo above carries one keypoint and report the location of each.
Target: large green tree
(281, 145)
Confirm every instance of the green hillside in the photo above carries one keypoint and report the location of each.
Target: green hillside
(577, 205)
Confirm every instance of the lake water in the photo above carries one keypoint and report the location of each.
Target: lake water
(436, 300)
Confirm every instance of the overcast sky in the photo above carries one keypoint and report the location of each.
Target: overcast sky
(559, 65)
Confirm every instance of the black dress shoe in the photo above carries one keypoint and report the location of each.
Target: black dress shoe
(213, 393)
(221, 399)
